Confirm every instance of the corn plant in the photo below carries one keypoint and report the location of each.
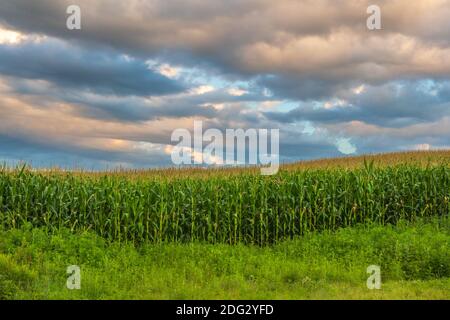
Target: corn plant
(245, 208)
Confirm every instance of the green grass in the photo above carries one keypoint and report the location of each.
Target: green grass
(248, 209)
(301, 234)
(414, 259)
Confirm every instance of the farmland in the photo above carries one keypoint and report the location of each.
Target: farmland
(320, 223)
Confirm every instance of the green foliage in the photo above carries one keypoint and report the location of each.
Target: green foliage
(13, 277)
(414, 260)
(247, 208)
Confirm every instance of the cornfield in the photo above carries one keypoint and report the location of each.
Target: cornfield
(245, 208)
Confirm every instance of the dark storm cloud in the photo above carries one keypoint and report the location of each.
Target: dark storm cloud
(134, 109)
(396, 104)
(302, 87)
(67, 66)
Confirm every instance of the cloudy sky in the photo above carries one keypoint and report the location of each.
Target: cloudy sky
(111, 93)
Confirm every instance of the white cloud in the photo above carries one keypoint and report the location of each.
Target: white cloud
(359, 90)
(195, 156)
(267, 93)
(168, 71)
(202, 90)
(335, 103)
(11, 37)
(163, 68)
(345, 146)
(422, 147)
(237, 92)
(308, 129)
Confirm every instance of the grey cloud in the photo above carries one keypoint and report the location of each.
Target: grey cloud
(306, 52)
(23, 149)
(303, 42)
(135, 108)
(98, 71)
(301, 87)
(396, 104)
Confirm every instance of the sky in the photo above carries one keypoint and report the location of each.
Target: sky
(112, 93)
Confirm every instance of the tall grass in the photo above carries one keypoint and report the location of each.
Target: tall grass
(244, 208)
